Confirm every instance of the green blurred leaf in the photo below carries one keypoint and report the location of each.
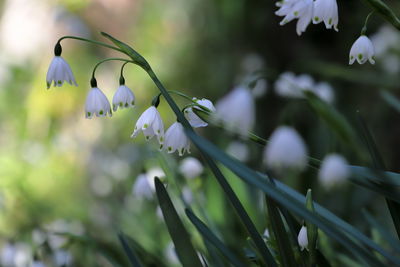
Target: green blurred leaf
(393, 101)
(312, 230)
(206, 233)
(180, 237)
(135, 262)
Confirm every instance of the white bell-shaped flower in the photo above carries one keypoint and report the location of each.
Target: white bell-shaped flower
(334, 170)
(58, 72)
(150, 124)
(190, 167)
(362, 50)
(285, 150)
(97, 103)
(123, 98)
(326, 11)
(237, 110)
(296, 9)
(302, 238)
(193, 119)
(176, 139)
(286, 86)
(141, 188)
(324, 91)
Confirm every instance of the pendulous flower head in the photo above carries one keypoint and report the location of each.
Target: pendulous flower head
(58, 72)
(285, 150)
(326, 11)
(97, 103)
(334, 170)
(302, 238)
(193, 119)
(362, 50)
(123, 98)
(176, 139)
(296, 9)
(150, 124)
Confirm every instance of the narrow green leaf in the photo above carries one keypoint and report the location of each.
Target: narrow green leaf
(208, 235)
(184, 248)
(287, 201)
(312, 230)
(386, 177)
(280, 234)
(336, 121)
(394, 243)
(378, 162)
(135, 262)
(393, 101)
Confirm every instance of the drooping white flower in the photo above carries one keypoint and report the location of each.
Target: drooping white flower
(176, 139)
(187, 195)
(324, 91)
(190, 167)
(305, 82)
(302, 238)
(237, 110)
(193, 119)
(286, 85)
(296, 9)
(260, 88)
(362, 50)
(58, 72)
(326, 11)
(97, 103)
(385, 40)
(38, 264)
(123, 98)
(285, 150)
(154, 172)
(151, 124)
(62, 258)
(238, 150)
(141, 188)
(334, 170)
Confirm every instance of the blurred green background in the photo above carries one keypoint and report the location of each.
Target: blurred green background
(60, 172)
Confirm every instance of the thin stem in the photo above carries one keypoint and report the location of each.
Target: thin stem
(364, 28)
(109, 59)
(90, 41)
(123, 66)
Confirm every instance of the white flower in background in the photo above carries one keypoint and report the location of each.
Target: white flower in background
(285, 150)
(252, 62)
(260, 88)
(23, 255)
(58, 72)
(326, 11)
(324, 91)
(190, 167)
(170, 254)
(305, 82)
(296, 9)
(154, 172)
(193, 119)
(286, 85)
(302, 238)
(187, 195)
(266, 233)
(176, 139)
(390, 63)
(334, 170)
(97, 103)
(151, 124)
(62, 258)
(7, 255)
(238, 150)
(385, 39)
(362, 50)
(237, 110)
(37, 263)
(123, 98)
(141, 187)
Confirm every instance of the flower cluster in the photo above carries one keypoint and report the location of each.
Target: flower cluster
(308, 10)
(290, 85)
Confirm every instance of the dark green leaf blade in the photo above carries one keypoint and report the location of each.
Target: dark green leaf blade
(206, 233)
(133, 259)
(312, 230)
(180, 237)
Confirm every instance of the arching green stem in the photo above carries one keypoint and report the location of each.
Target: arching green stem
(90, 41)
(364, 29)
(109, 59)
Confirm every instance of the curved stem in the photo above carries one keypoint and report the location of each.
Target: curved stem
(364, 28)
(123, 66)
(109, 59)
(90, 41)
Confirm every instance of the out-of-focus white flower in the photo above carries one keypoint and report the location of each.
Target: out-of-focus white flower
(176, 139)
(362, 50)
(23, 255)
(123, 98)
(260, 88)
(326, 11)
(302, 238)
(58, 72)
(97, 103)
(305, 82)
(151, 124)
(237, 110)
(286, 85)
(38, 264)
(334, 170)
(141, 187)
(324, 91)
(193, 119)
(101, 185)
(252, 62)
(62, 258)
(38, 236)
(238, 150)
(296, 9)
(385, 39)
(170, 254)
(285, 150)
(154, 172)
(187, 195)
(8, 252)
(266, 233)
(159, 213)
(190, 167)
(390, 63)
